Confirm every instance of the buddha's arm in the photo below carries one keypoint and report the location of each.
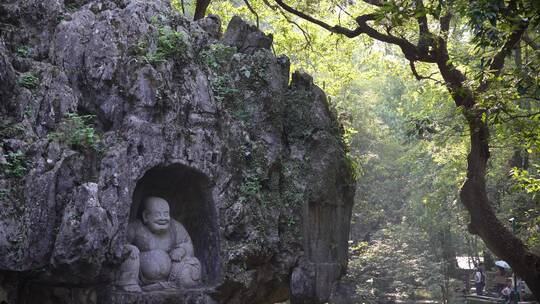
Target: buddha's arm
(183, 247)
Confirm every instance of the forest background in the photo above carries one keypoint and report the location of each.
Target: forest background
(408, 141)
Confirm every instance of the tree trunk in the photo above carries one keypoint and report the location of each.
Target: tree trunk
(483, 219)
(200, 9)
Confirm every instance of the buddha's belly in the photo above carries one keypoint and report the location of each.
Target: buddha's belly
(155, 265)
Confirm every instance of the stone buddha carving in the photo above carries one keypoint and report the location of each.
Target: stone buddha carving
(159, 253)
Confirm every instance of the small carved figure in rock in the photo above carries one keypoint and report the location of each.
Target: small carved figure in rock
(159, 253)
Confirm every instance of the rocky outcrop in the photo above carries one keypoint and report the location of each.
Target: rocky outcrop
(103, 102)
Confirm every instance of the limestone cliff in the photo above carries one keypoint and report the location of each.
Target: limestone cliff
(104, 102)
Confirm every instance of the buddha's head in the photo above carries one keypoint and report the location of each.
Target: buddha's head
(155, 214)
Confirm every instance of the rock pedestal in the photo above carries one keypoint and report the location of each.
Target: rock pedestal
(192, 296)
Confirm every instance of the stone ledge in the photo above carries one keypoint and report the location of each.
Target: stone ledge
(181, 296)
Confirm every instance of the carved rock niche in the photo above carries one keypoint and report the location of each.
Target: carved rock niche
(189, 195)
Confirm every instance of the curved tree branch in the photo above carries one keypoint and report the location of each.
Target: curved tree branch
(274, 7)
(304, 33)
(253, 12)
(497, 61)
(309, 18)
(420, 77)
(410, 50)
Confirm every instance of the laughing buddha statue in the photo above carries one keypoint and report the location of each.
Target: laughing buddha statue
(159, 253)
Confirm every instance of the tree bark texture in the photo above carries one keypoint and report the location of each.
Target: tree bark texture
(484, 222)
(200, 9)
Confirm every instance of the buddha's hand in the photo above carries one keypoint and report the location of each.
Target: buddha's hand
(178, 254)
(131, 252)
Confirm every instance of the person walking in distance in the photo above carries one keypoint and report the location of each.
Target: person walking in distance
(479, 279)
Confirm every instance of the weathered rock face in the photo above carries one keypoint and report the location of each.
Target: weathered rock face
(252, 165)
